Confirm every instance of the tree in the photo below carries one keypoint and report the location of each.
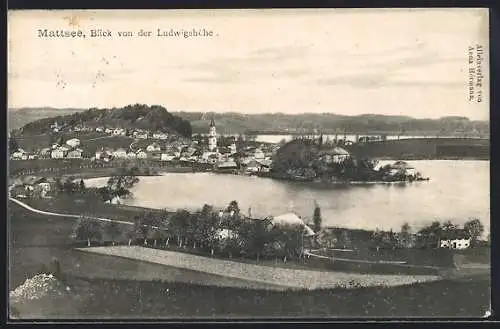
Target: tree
(431, 234)
(88, 229)
(69, 186)
(13, 145)
(449, 229)
(178, 224)
(327, 238)
(234, 207)
(82, 185)
(317, 218)
(345, 239)
(377, 238)
(255, 236)
(389, 240)
(404, 237)
(113, 230)
(474, 229)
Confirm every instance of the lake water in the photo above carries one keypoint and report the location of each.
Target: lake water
(457, 191)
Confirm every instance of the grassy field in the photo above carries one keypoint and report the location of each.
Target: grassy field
(110, 287)
(91, 206)
(292, 278)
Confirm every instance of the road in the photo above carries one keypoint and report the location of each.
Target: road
(28, 207)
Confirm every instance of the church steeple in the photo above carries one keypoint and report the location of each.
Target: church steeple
(212, 137)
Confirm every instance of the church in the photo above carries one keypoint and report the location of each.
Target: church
(212, 155)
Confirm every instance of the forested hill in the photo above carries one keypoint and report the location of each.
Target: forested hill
(231, 122)
(153, 118)
(332, 123)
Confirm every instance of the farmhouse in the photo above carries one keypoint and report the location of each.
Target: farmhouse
(18, 155)
(119, 132)
(292, 219)
(120, 153)
(58, 153)
(44, 153)
(162, 136)
(227, 165)
(75, 154)
(131, 155)
(333, 155)
(455, 243)
(142, 155)
(167, 157)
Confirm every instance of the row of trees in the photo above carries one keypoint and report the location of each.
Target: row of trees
(204, 230)
(429, 236)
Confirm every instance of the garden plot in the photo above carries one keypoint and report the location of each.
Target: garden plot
(290, 278)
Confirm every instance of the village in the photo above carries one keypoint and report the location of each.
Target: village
(201, 149)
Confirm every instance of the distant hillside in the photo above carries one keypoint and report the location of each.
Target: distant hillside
(332, 123)
(153, 118)
(281, 123)
(17, 118)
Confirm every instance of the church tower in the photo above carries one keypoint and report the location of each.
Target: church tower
(212, 137)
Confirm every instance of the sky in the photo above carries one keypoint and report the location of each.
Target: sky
(344, 61)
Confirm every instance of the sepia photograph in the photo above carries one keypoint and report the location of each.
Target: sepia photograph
(248, 164)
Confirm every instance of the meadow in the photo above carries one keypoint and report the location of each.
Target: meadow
(114, 287)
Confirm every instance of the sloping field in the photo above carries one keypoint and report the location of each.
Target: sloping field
(291, 278)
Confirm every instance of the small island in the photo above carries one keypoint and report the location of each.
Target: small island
(314, 159)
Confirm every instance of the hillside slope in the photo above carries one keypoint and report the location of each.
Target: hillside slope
(276, 123)
(153, 118)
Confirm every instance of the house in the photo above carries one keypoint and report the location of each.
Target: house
(32, 157)
(167, 157)
(142, 155)
(265, 165)
(98, 155)
(44, 186)
(232, 148)
(99, 129)
(57, 153)
(141, 135)
(120, 153)
(44, 153)
(162, 136)
(229, 164)
(258, 154)
(253, 166)
(131, 155)
(74, 142)
(64, 148)
(119, 132)
(54, 146)
(153, 148)
(75, 154)
(108, 131)
(455, 243)
(17, 155)
(292, 219)
(334, 155)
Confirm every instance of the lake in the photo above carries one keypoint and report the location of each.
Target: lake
(457, 190)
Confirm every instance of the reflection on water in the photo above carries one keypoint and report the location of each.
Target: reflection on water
(457, 191)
